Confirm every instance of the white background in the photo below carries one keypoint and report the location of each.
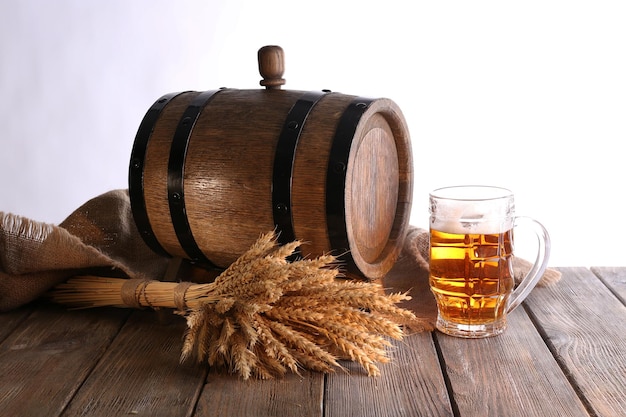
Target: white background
(530, 95)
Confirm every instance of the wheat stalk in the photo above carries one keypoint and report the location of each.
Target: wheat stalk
(264, 316)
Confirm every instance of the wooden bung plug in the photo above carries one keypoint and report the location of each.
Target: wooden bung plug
(271, 66)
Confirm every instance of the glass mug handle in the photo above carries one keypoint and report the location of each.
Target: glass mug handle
(541, 263)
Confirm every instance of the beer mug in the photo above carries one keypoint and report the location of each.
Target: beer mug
(471, 250)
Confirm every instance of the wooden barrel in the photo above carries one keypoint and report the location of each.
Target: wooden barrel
(210, 171)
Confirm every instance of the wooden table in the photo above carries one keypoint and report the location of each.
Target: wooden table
(564, 354)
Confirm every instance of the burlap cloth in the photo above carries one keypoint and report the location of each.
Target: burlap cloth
(100, 238)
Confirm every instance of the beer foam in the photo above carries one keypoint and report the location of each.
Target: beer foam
(472, 226)
(467, 217)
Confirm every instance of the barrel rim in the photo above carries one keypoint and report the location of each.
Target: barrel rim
(390, 111)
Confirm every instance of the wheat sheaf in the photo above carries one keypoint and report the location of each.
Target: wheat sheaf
(266, 315)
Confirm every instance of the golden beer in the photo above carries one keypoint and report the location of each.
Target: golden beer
(471, 254)
(471, 277)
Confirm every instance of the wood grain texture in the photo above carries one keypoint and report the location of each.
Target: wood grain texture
(585, 324)
(11, 320)
(155, 173)
(371, 215)
(228, 175)
(228, 170)
(562, 355)
(513, 374)
(293, 395)
(379, 188)
(308, 192)
(45, 361)
(614, 278)
(411, 385)
(140, 374)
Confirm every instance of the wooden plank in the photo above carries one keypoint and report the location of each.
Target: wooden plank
(11, 319)
(292, 395)
(140, 374)
(614, 278)
(585, 325)
(410, 385)
(46, 359)
(513, 374)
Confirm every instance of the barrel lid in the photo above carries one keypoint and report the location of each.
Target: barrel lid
(378, 188)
